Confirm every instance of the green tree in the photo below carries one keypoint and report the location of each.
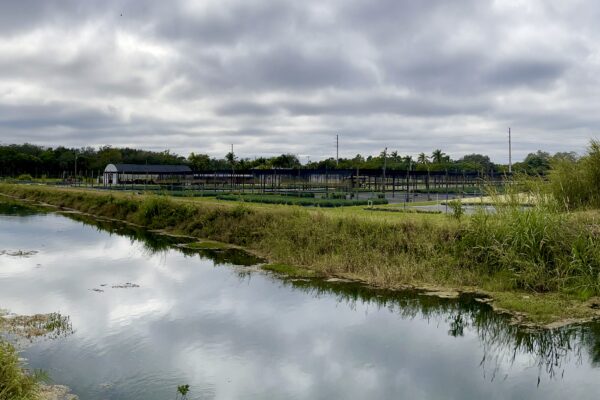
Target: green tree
(285, 161)
(231, 158)
(476, 162)
(199, 162)
(437, 156)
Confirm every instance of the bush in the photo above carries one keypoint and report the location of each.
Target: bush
(25, 177)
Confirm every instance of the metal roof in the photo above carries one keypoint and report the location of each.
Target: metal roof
(148, 169)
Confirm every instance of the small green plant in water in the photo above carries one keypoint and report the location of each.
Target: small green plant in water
(182, 390)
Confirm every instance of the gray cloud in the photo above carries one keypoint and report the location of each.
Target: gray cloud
(283, 76)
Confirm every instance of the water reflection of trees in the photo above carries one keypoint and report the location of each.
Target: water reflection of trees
(151, 242)
(502, 342)
(14, 208)
(154, 243)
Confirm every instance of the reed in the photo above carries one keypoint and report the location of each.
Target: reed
(15, 382)
(575, 184)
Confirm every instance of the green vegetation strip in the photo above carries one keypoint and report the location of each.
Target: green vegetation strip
(404, 210)
(289, 270)
(206, 245)
(15, 382)
(299, 201)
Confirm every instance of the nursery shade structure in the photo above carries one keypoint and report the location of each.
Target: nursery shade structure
(130, 173)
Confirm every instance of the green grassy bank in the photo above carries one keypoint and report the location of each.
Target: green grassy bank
(15, 382)
(537, 261)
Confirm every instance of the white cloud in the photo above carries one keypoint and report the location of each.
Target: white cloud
(284, 76)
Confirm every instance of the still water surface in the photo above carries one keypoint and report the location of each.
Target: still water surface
(232, 332)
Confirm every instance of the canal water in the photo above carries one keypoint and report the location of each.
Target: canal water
(147, 316)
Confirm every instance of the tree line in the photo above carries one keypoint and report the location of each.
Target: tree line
(40, 161)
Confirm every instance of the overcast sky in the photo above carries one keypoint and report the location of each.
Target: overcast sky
(276, 76)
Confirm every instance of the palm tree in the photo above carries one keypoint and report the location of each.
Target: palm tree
(422, 159)
(437, 156)
(407, 159)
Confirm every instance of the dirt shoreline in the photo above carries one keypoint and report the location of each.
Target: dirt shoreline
(56, 392)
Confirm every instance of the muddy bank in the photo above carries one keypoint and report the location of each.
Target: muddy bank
(56, 392)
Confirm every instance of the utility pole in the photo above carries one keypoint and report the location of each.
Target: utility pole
(509, 152)
(408, 182)
(337, 150)
(232, 166)
(76, 155)
(384, 166)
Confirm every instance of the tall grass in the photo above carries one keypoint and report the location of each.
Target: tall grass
(15, 383)
(537, 246)
(576, 184)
